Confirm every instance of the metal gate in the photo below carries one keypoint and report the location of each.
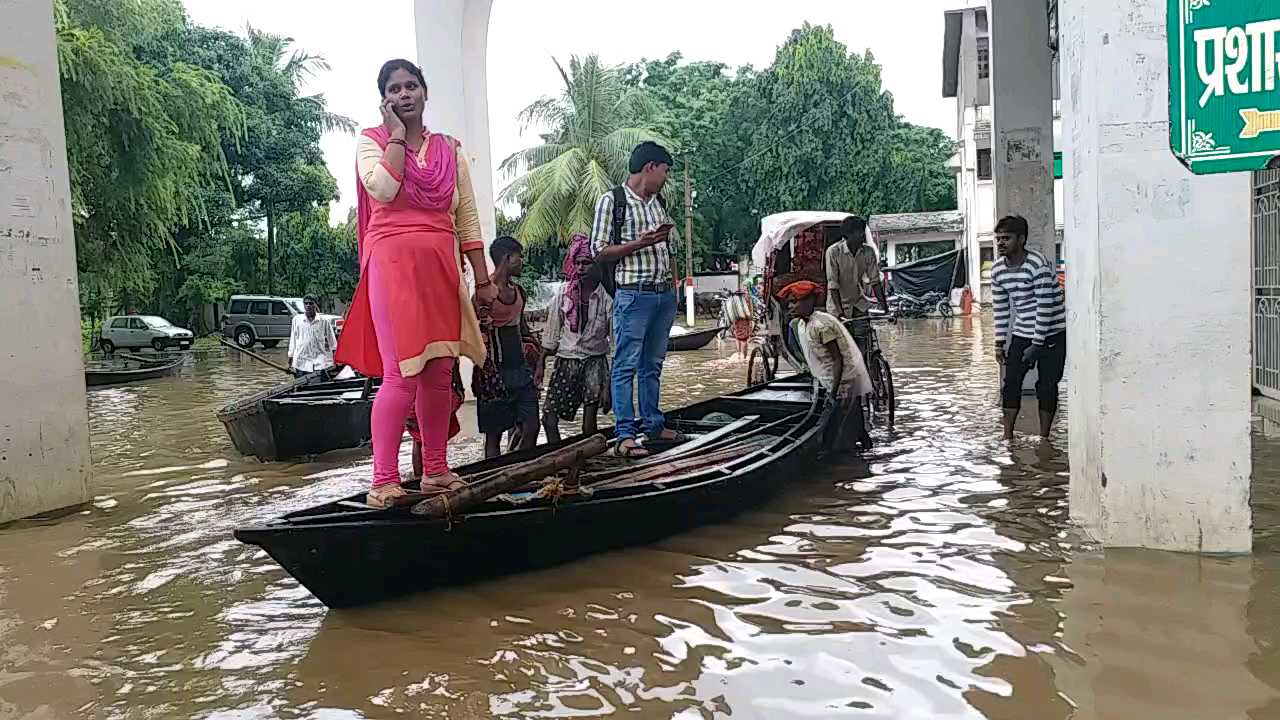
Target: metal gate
(1266, 282)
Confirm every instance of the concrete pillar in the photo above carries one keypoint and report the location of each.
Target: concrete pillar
(1158, 301)
(1022, 122)
(453, 49)
(44, 433)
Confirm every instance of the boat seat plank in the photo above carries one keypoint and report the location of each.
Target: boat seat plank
(708, 438)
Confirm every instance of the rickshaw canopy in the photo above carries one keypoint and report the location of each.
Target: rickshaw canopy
(780, 229)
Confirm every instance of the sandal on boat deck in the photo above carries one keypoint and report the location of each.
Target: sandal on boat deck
(385, 497)
(442, 483)
(676, 437)
(630, 452)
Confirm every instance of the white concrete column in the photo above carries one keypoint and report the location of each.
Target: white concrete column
(1158, 301)
(1022, 117)
(44, 432)
(453, 49)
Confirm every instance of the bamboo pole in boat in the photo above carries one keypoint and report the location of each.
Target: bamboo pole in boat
(254, 355)
(507, 479)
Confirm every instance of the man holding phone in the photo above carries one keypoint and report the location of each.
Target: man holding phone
(644, 305)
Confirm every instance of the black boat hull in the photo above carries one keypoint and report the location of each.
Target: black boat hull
(354, 563)
(692, 341)
(300, 418)
(98, 378)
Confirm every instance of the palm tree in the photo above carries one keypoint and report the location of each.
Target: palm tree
(295, 178)
(591, 128)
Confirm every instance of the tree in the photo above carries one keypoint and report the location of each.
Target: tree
(144, 140)
(915, 174)
(695, 100)
(824, 122)
(590, 130)
(279, 166)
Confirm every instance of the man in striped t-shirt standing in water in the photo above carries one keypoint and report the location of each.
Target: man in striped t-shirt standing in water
(1031, 323)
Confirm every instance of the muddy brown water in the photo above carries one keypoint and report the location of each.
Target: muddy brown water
(938, 578)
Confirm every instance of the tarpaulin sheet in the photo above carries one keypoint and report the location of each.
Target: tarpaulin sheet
(932, 274)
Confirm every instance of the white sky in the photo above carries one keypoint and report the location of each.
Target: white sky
(357, 37)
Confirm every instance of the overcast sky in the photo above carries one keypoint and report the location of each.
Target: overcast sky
(357, 37)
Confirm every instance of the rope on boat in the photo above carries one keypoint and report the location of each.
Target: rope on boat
(552, 490)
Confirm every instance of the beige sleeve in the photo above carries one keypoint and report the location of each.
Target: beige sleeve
(466, 218)
(379, 180)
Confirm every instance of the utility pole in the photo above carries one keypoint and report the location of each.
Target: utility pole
(688, 245)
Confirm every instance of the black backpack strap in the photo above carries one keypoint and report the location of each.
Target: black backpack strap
(609, 277)
(619, 215)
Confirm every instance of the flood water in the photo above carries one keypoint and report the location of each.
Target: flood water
(938, 578)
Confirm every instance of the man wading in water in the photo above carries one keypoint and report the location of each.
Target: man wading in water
(1031, 323)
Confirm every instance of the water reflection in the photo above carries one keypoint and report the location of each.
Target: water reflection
(937, 577)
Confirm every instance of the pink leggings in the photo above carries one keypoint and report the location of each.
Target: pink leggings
(428, 394)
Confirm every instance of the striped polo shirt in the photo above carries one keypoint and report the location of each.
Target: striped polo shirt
(649, 265)
(1027, 300)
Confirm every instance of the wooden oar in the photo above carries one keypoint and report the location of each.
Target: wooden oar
(254, 355)
(507, 479)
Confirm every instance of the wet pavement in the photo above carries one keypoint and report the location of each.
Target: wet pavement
(936, 578)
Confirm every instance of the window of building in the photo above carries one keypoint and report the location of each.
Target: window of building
(984, 163)
(984, 58)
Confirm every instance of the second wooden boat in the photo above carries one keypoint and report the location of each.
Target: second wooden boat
(743, 448)
(310, 415)
(692, 341)
(131, 368)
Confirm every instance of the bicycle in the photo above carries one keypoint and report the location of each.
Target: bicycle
(883, 401)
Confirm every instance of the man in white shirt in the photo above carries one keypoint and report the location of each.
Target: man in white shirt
(311, 341)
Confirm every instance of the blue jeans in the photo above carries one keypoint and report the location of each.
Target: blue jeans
(641, 326)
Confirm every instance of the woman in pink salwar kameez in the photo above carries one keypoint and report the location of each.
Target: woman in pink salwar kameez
(412, 317)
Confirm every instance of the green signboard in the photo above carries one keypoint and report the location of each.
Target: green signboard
(1224, 84)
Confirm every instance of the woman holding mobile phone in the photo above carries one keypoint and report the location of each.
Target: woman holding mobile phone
(412, 316)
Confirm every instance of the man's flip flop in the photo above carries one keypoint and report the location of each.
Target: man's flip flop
(674, 438)
(630, 452)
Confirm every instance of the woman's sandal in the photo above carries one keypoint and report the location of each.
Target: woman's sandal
(385, 497)
(442, 483)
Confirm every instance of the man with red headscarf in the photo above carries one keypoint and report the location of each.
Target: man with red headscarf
(577, 334)
(834, 361)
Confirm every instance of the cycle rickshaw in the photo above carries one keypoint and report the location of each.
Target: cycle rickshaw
(792, 246)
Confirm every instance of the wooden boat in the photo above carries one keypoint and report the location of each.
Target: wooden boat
(130, 368)
(742, 448)
(692, 341)
(309, 415)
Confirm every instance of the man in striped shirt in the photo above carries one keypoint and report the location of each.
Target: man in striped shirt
(1031, 323)
(644, 305)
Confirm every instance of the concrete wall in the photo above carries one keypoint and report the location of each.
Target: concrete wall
(44, 438)
(1159, 336)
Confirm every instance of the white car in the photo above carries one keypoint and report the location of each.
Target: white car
(134, 332)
